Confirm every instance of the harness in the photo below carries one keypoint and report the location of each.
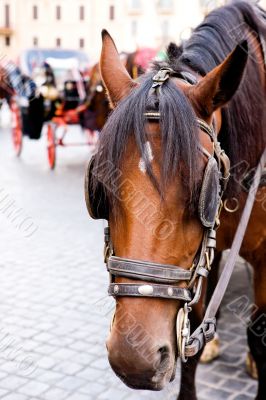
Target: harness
(161, 280)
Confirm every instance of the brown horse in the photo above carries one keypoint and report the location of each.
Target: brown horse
(218, 76)
(98, 102)
(137, 62)
(98, 106)
(6, 89)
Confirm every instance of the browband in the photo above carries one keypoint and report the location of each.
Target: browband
(156, 115)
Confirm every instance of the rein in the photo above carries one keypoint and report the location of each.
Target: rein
(205, 332)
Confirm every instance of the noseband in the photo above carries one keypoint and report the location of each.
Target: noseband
(162, 280)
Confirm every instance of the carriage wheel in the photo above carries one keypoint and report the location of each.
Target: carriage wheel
(17, 134)
(51, 146)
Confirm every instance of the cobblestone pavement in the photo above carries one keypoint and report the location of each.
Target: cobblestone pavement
(53, 305)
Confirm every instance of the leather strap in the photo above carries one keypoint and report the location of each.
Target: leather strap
(198, 339)
(207, 129)
(248, 179)
(225, 167)
(202, 335)
(159, 291)
(147, 271)
(188, 77)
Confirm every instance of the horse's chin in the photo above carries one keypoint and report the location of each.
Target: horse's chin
(155, 383)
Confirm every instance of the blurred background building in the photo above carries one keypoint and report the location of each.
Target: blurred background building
(76, 24)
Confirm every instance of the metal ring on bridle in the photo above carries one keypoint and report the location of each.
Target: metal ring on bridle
(183, 331)
(232, 209)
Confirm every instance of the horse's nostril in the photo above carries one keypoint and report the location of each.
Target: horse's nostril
(165, 354)
(164, 350)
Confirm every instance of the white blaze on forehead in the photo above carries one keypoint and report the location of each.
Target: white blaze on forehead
(148, 153)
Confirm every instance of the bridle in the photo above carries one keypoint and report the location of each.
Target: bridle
(162, 278)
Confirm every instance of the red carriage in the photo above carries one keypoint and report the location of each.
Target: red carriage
(56, 96)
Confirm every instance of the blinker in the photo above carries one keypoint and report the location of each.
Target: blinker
(209, 200)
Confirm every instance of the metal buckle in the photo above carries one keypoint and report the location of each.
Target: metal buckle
(107, 252)
(197, 288)
(208, 263)
(183, 331)
(217, 218)
(162, 75)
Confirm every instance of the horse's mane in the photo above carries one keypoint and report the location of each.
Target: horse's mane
(243, 134)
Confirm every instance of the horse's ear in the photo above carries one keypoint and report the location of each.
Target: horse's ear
(219, 85)
(114, 74)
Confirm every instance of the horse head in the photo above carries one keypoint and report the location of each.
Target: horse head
(163, 196)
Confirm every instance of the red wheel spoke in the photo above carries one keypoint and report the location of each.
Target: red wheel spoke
(17, 134)
(51, 146)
